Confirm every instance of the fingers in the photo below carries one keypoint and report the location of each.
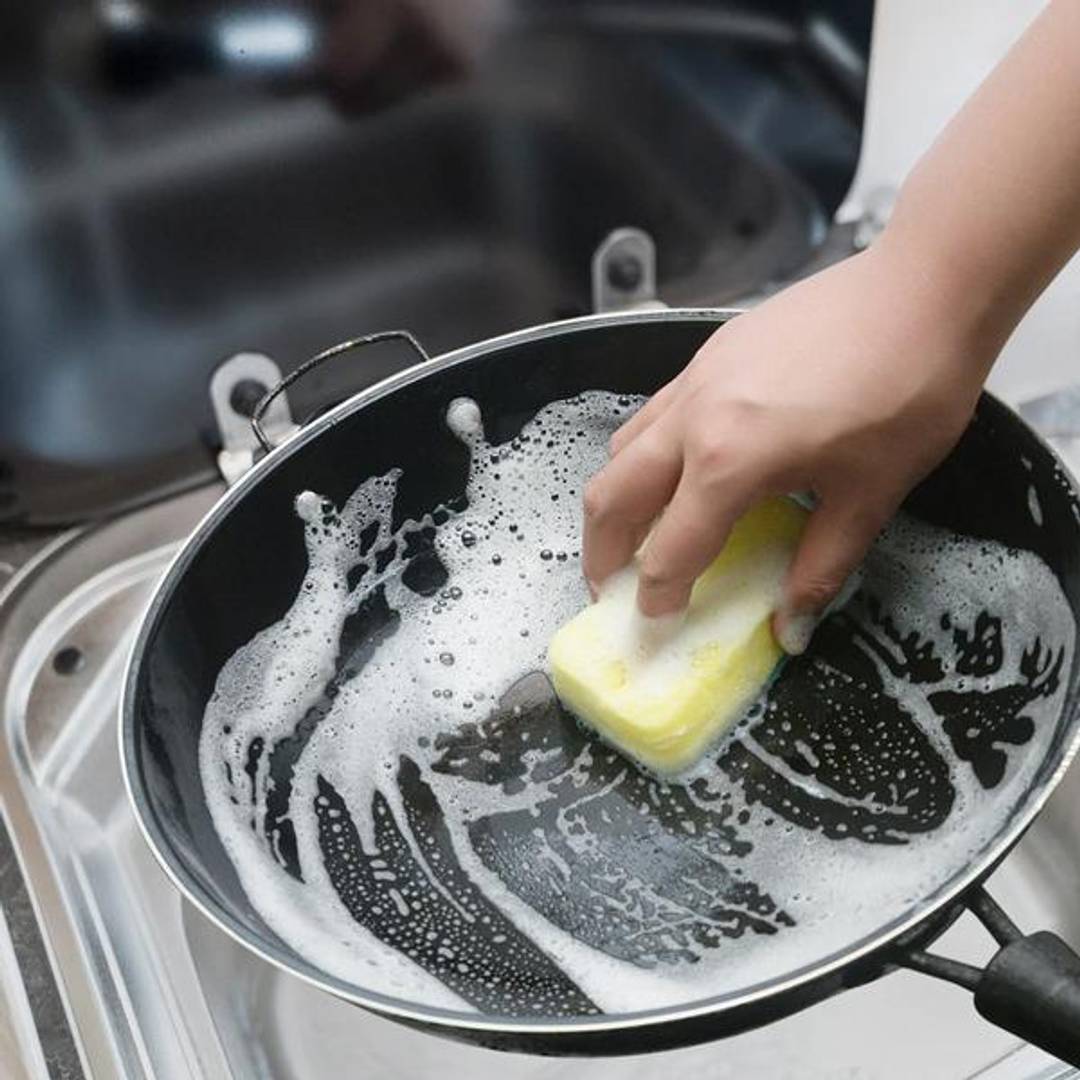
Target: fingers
(647, 415)
(662, 400)
(624, 498)
(689, 535)
(833, 545)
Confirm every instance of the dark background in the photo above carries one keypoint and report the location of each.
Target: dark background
(181, 181)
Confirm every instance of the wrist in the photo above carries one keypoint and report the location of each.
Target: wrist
(947, 293)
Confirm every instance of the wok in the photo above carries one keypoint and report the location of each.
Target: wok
(863, 753)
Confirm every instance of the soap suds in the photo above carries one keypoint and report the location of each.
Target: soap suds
(410, 811)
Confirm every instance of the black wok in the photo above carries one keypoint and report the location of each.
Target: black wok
(241, 569)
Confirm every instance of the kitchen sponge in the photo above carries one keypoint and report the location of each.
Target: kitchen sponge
(663, 694)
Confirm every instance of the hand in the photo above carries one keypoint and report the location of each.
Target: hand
(852, 385)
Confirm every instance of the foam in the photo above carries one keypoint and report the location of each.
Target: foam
(513, 577)
(663, 647)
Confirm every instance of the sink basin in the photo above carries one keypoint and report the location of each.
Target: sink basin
(155, 238)
(156, 991)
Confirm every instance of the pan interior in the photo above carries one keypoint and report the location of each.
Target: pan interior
(409, 808)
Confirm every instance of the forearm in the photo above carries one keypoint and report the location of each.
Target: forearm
(992, 211)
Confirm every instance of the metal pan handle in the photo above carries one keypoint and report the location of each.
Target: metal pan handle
(314, 362)
(1030, 987)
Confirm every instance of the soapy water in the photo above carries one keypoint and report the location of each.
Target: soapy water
(407, 805)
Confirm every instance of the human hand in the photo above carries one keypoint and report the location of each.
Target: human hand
(852, 385)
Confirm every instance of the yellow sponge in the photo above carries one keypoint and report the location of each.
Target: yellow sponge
(663, 694)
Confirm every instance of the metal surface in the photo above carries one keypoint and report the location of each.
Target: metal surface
(148, 237)
(24, 963)
(1056, 414)
(244, 381)
(265, 436)
(1028, 1063)
(146, 976)
(58, 752)
(624, 272)
(802, 982)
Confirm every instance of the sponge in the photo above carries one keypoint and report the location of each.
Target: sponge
(664, 693)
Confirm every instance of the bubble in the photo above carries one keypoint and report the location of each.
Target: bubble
(390, 705)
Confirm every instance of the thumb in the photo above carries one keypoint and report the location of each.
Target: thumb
(835, 540)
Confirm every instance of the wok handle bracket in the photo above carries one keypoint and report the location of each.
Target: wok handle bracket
(1030, 987)
(624, 272)
(314, 362)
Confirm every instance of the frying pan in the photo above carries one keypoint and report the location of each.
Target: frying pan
(240, 571)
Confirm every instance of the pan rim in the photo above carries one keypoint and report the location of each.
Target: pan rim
(805, 977)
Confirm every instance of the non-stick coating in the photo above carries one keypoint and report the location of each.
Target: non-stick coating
(241, 570)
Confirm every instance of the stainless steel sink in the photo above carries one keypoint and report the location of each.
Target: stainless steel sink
(475, 209)
(147, 240)
(152, 990)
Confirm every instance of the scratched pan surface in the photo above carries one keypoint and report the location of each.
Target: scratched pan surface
(867, 744)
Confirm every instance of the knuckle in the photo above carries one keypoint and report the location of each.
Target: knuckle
(815, 593)
(872, 518)
(736, 416)
(728, 433)
(740, 410)
(860, 525)
(595, 502)
(714, 454)
(654, 575)
(653, 462)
